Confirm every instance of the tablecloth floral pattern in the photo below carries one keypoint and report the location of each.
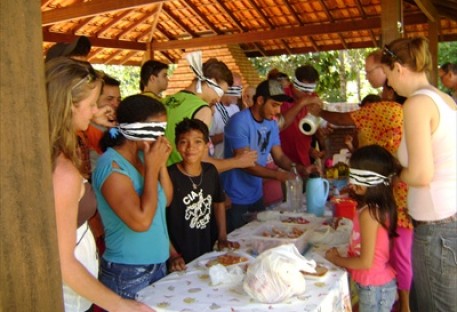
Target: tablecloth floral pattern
(191, 291)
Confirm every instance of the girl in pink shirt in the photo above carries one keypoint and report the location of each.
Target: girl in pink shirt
(370, 177)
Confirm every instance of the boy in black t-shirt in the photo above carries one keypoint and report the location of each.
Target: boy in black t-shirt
(198, 206)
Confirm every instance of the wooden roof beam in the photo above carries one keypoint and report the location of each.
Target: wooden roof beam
(178, 22)
(112, 56)
(429, 9)
(91, 8)
(110, 24)
(332, 20)
(96, 42)
(362, 13)
(231, 15)
(127, 57)
(307, 30)
(259, 11)
(202, 17)
(136, 23)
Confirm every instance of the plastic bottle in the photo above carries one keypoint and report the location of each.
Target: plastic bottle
(294, 190)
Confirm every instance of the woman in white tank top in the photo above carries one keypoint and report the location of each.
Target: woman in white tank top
(428, 154)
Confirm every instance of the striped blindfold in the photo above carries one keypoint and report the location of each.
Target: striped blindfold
(139, 131)
(305, 87)
(367, 178)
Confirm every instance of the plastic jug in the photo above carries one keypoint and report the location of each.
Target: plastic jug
(316, 195)
(294, 193)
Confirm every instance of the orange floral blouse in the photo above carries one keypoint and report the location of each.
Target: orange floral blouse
(381, 123)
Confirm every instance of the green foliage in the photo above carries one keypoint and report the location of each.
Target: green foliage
(447, 52)
(129, 76)
(334, 68)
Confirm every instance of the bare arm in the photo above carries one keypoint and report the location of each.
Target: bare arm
(138, 211)
(67, 191)
(263, 172)
(290, 115)
(217, 138)
(368, 232)
(166, 183)
(339, 119)
(241, 160)
(205, 115)
(420, 119)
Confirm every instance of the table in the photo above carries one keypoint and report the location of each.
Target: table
(192, 290)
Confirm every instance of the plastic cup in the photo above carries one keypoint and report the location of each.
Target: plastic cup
(344, 207)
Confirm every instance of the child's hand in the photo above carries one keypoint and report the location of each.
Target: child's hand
(223, 244)
(176, 264)
(332, 254)
(246, 159)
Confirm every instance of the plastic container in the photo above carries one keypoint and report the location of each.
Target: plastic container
(284, 233)
(344, 207)
(294, 188)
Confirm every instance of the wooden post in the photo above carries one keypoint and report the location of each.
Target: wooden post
(391, 20)
(30, 278)
(433, 31)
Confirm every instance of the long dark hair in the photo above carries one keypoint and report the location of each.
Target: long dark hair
(135, 108)
(379, 198)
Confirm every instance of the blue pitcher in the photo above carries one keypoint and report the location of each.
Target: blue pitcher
(316, 195)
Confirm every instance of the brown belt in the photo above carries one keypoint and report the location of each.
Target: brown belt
(442, 221)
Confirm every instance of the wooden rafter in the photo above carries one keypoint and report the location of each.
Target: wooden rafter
(155, 22)
(177, 21)
(135, 24)
(96, 42)
(307, 30)
(428, 8)
(91, 8)
(114, 21)
(231, 15)
(331, 19)
(127, 57)
(112, 56)
(300, 23)
(363, 14)
(93, 53)
(202, 17)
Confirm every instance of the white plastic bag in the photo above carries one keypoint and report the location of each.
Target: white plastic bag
(275, 275)
(227, 276)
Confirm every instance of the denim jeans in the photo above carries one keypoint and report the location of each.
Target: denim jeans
(435, 268)
(126, 280)
(377, 298)
(236, 215)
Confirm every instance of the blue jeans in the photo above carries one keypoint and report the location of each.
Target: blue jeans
(435, 268)
(377, 298)
(126, 279)
(236, 217)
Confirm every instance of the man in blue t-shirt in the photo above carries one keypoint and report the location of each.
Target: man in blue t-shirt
(255, 129)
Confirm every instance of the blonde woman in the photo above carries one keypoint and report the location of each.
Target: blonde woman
(428, 154)
(72, 89)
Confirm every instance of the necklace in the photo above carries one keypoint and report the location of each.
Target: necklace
(194, 185)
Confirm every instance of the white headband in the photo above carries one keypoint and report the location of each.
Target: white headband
(234, 91)
(367, 177)
(140, 131)
(195, 62)
(305, 87)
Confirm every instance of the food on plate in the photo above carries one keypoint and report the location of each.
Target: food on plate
(279, 233)
(227, 259)
(298, 220)
(320, 272)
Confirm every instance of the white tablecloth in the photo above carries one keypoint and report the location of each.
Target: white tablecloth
(192, 290)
